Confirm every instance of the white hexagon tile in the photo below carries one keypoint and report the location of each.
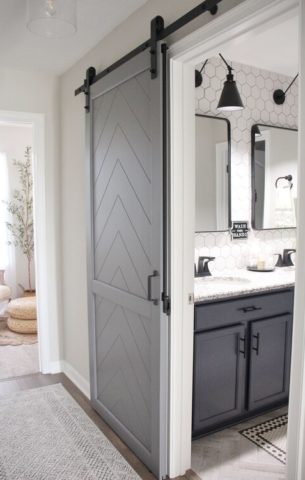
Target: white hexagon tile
(256, 88)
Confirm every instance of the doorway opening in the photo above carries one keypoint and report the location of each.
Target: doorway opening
(257, 77)
(35, 123)
(240, 401)
(18, 324)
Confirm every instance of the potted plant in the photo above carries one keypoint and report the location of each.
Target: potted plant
(21, 209)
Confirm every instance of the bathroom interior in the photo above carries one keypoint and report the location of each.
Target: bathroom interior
(245, 253)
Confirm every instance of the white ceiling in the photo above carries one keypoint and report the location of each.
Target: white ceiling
(22, 50)
(274, 48)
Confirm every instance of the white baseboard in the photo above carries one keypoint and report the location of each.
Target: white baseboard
(54, 367)
(76, 378)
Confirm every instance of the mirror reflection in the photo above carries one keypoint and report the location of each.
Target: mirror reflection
(274, 172)
(213, 151)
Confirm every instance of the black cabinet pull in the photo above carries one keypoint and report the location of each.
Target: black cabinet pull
(242, 346)
(256, 347)
(252, 308)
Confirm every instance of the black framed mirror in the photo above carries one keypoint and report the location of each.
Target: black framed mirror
(274, 159)
(213, 174)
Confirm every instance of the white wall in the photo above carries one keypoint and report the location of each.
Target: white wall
(13, 141)
(39, 93)
(124, 38)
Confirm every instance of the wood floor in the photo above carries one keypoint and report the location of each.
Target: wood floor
(16, 384)
(227, 455)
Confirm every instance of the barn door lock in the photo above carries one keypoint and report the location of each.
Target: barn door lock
(166, 304)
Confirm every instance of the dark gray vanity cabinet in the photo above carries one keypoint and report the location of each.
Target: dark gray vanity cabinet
(219, 372)
(270, 345)
(242, 350)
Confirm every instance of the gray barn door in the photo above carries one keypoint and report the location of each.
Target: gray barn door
(128, 330)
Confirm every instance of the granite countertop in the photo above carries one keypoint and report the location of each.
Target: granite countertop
(241, 282)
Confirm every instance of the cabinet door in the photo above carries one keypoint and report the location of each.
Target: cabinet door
(219, 376)
(269, 361)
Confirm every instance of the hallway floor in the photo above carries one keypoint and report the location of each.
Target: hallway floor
(26, 382)
(227, 455)
(38, 380)
(18, 360)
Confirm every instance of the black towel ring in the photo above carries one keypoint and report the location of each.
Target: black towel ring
(287, 177)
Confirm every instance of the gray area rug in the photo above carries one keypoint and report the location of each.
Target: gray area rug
(271, 436)
(45, 435)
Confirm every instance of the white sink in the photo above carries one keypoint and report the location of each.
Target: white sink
(234, 281)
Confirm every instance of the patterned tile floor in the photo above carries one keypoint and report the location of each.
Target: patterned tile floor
(227, 455)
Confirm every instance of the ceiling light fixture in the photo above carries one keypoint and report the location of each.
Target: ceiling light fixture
(279, 96)
(52, 18)
(230, 99)
(198, 75)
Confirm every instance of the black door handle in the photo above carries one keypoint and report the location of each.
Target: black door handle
(251, 308)
(256, 347)
(153, 288)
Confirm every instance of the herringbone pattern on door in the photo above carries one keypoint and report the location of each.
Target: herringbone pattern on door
(122, 200)
(122, 190)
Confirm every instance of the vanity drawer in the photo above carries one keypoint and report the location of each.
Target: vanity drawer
(218, 314)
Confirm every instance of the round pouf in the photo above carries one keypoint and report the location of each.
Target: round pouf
(22, 326)
(22, 315)
(23, 308)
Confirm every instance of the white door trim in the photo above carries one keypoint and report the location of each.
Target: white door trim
(204, 43)
(182, 268)
(42, 243)
(296, 424)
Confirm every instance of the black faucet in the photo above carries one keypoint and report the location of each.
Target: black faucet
(203, 266)
(279, 262)
(285, 260)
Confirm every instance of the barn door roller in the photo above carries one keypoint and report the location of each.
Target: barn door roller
(156, 27)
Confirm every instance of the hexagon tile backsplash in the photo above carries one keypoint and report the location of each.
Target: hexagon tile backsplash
(256, 87)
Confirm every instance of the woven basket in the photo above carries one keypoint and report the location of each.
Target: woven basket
(22, 326)
(23, 308)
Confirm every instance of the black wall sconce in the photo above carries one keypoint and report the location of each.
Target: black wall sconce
(198, 75)
(279, 96)
(230, 99)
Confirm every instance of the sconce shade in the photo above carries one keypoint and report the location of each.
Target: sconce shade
(230, 99)
(52, 18)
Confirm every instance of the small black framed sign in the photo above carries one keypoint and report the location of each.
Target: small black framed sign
(239, 230)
